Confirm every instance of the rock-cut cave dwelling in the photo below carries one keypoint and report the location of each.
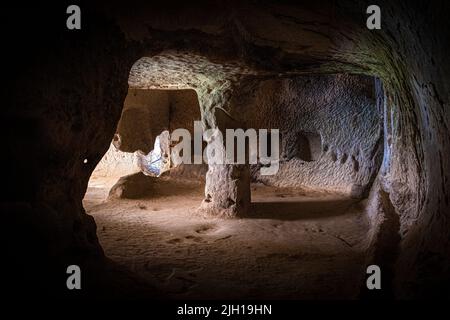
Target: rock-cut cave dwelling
(363, 177)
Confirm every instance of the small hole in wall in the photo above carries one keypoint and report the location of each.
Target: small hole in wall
(309, 146)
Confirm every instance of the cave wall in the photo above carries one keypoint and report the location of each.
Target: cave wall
(65, 82)
(331, 130)
(148, 112)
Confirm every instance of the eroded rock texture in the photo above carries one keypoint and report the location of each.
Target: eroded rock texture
(116, 163)
(68, 91)
(148, 114)
(331, 131)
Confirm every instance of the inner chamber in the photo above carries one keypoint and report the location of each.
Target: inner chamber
(305, 223)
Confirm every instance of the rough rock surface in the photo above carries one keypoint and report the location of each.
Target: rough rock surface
(338, 111)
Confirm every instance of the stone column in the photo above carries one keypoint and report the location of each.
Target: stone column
(227, 189)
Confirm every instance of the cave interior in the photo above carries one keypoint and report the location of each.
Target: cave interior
(363, 177)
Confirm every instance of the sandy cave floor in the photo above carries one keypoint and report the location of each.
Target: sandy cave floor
(295, 245)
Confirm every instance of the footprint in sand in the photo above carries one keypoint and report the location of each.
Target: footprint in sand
(207, 228)
(174, 241)
(194, 238)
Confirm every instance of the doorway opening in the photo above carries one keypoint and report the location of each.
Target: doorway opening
(138, 159)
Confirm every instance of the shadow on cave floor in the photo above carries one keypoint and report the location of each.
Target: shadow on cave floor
(296, 245)
(299, 210)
